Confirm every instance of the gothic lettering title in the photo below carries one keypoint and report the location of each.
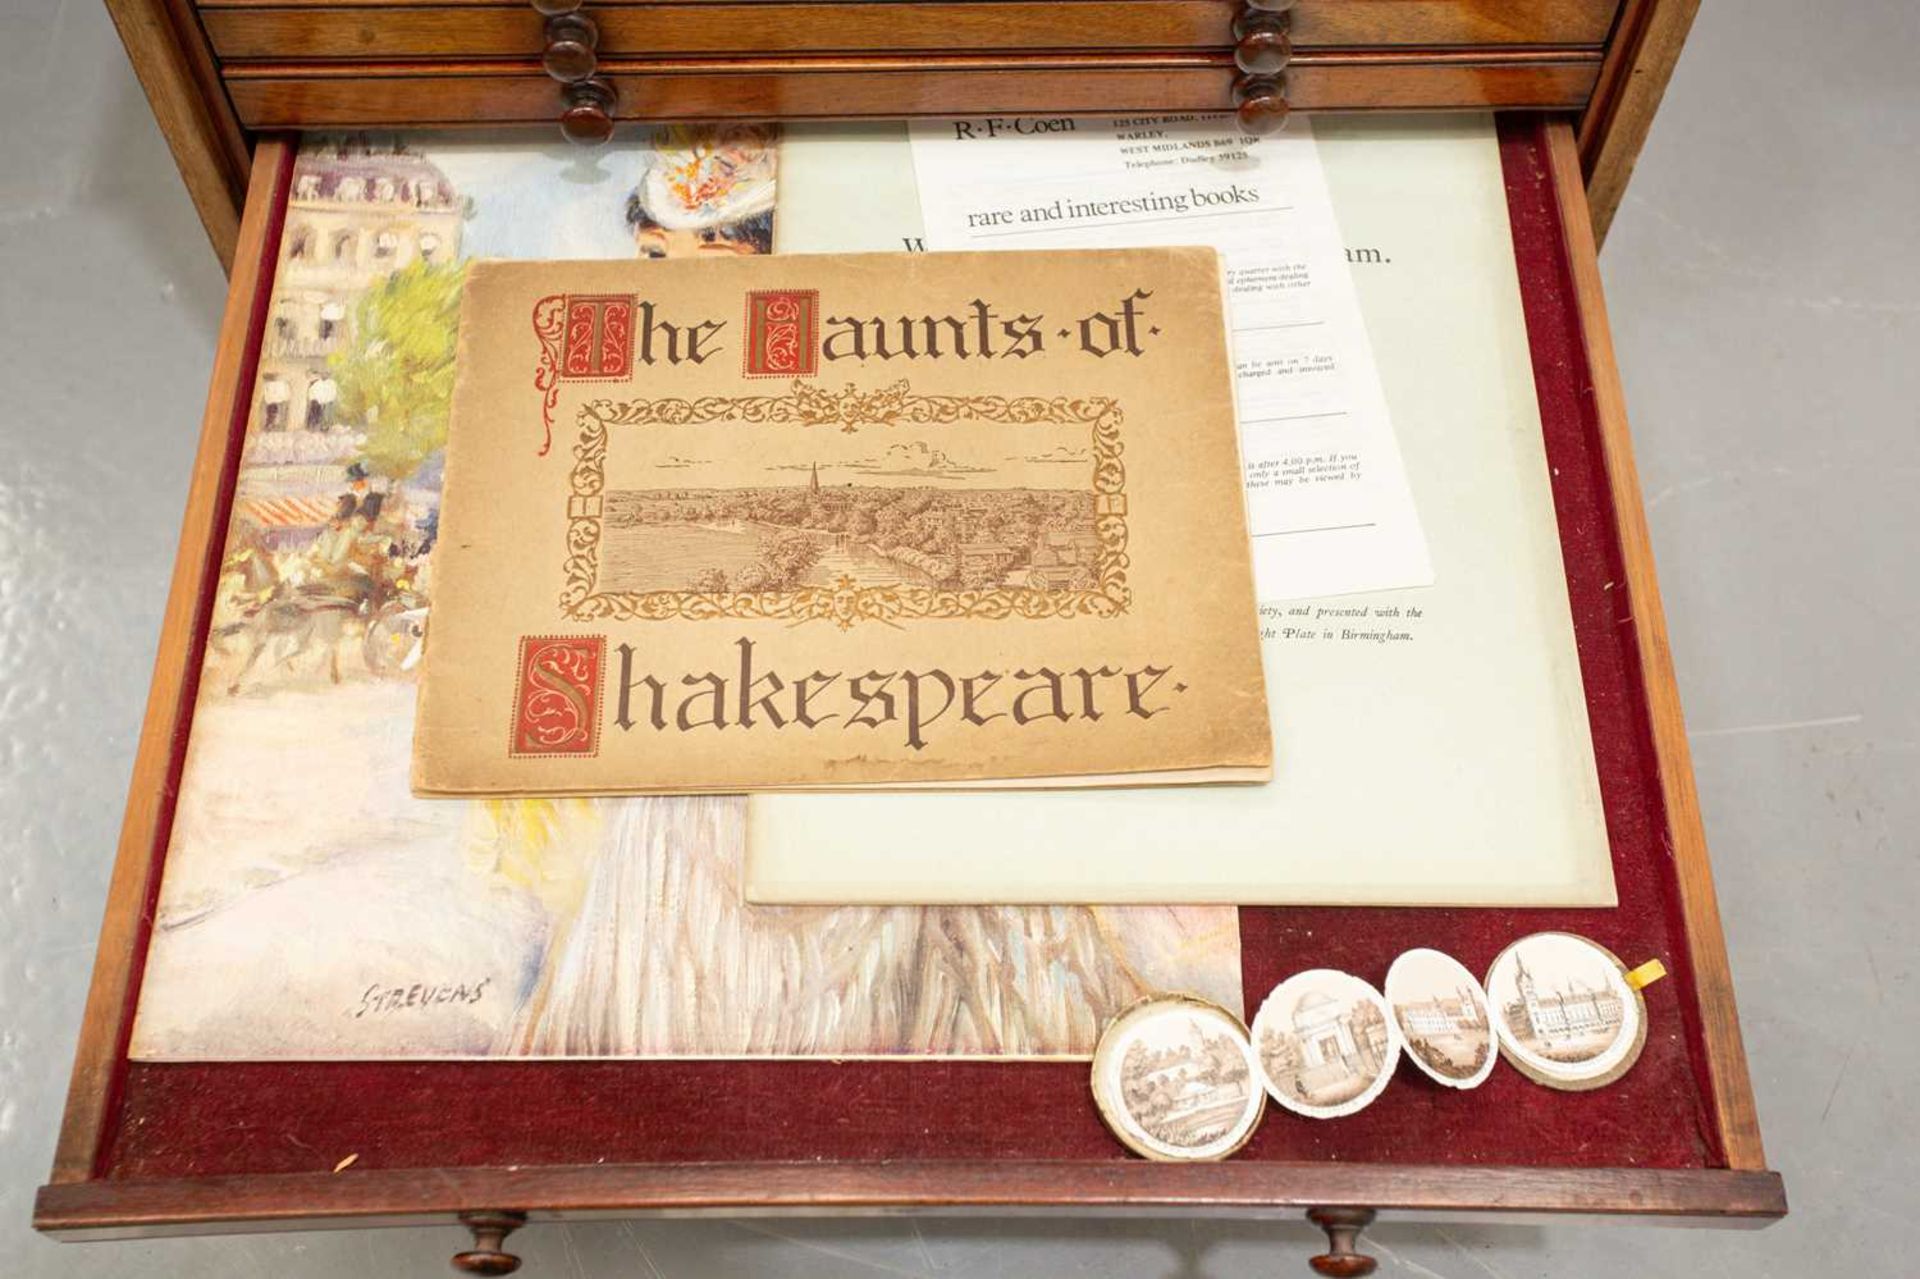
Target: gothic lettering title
(744, 695)
(974, 330)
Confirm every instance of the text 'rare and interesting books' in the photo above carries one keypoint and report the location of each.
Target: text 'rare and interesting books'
(845, 522)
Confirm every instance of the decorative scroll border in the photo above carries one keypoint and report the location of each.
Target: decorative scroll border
(846, 602)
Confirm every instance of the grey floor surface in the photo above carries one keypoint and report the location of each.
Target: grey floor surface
(1765, 286)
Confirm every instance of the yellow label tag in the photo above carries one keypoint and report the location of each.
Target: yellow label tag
(1646, 974)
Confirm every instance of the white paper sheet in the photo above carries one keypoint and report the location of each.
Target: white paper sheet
(1327, 498)
(1431, 745)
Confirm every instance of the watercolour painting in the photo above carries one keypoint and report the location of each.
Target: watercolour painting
(312, 908)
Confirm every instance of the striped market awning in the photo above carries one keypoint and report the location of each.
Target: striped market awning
(286, 512)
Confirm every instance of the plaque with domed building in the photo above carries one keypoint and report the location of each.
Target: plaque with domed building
(1327, 1043)
(845, 522)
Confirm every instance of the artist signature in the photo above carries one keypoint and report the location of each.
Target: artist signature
(382, 998)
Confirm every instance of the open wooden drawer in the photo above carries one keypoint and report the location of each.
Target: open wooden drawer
(183, 1147)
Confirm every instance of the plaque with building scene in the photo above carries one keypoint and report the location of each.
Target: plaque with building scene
(1326, 1042)
(514, 928)
(1564, 1012)
(1441, 1011)
(1174, 1078)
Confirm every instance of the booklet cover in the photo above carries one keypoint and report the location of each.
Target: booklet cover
(842, 521)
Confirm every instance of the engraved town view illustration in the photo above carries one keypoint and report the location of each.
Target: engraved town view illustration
(1558, 1002)
(1184, 1084)
(1446, 1027)
(917, 512)
(1325, 1050)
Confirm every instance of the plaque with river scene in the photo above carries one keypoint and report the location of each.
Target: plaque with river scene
(1175, 1079)
(846, 522)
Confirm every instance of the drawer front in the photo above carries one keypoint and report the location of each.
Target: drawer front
(247, 30)
(395, 94)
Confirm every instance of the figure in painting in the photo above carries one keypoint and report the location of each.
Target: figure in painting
(354, 514)
(705, 191)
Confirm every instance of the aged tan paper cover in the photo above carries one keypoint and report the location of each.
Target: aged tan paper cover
(842, 521)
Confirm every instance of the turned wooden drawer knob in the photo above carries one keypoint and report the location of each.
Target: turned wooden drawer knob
(571, 41)
(1261, 103)
(588, 118)
(1343, 1258)
(1263, 48)
(1263, 51)
(490, 1231)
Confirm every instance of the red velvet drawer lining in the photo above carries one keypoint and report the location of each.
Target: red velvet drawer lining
(208, 1119)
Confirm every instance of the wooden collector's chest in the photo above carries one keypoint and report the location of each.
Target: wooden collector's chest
(154, 1146)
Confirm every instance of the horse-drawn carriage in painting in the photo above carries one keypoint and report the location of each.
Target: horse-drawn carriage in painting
(355, 582)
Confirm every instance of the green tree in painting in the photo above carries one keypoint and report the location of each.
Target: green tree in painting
(396, 380)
